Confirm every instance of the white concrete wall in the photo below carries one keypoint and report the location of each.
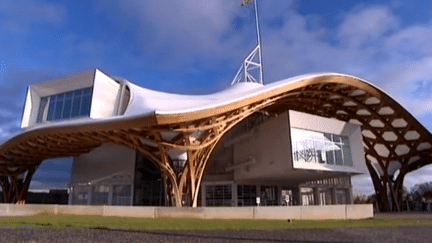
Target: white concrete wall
(333, 126)
(105, 97)
(28, 116)
(51, 87)
(107, 160)
(269, 145)
(106, 92)
(360, 211)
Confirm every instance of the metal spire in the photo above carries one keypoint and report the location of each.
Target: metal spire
(251, 69)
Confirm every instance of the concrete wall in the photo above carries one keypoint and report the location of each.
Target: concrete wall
(269, 213)
(352, 131)
(55, 86)
(102, 162)
(105, 97)
(269, 145)
(106, 92)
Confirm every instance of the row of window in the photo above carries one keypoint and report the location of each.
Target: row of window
(120, 195)
(325, 196)
(221, 195)
(66, 105)
(319, 147)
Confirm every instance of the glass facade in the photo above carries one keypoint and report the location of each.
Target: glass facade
(307, 196)
(100, 195)
(321, 148)
(121, 195)
(246, 195)
(218, 195)
(269, 196)
(148, 186)
(66, 105)
(80, 195)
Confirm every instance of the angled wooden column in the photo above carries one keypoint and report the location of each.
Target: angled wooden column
(198, 140)
(23, 184)
(390, 141)
(6, 188)
(15, 186)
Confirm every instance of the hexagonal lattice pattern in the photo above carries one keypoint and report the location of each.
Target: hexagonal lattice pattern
(368, 134)
(376, 123)
(372, 101)
(399, 123)
(355, 121)
(413, 159)
(402, 149)
(341, 112)
(424, 146)
(381, 150)
(363, 112)
(349, 103)
(389, 136)
(358, 92)
(372, 159)
(412, 135)
(386, 111)
(389, 132)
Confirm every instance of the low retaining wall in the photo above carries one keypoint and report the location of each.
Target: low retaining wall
(358, 211)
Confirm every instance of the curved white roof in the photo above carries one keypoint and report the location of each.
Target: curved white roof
(149, 110)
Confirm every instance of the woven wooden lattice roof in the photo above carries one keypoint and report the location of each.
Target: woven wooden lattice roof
(393, 138)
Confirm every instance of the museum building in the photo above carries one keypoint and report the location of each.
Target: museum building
(269, 158)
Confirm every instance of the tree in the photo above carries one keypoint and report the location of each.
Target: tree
(422, 191)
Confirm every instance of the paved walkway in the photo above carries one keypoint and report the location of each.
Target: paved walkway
(334, 235)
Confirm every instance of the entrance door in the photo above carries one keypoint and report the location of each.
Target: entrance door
(148, 186)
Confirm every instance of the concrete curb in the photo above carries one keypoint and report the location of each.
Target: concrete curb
(358, 211)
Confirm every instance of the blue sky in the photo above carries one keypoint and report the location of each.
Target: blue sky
(196, 47)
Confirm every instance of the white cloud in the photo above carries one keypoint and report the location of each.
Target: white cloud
(362, 185)
(410, 43)
(181, 32)
(19, 15)
(401, 81)
(367, 25)
(419, 176)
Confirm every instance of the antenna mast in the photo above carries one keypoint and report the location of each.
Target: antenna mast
(251, 69)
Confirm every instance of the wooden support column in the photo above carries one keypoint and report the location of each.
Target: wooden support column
(15, 188)
(6, 188)
(381, 192)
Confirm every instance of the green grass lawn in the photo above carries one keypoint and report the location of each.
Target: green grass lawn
(49, 220)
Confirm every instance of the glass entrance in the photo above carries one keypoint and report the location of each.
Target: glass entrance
(148, 186)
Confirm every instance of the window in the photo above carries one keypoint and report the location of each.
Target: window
(100, 195)
(269, 196)
(121, 195)
(80, 195)
(246, 195)
(318, 147)
(66, 105)
(218, 195)
(325, 196)
(307, 196)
